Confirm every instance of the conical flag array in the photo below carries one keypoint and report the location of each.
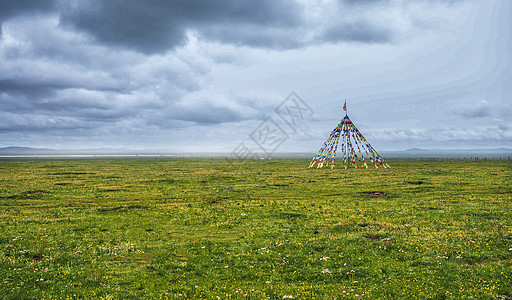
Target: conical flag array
(354, 146)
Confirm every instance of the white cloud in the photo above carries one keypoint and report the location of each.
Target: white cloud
(481, 109)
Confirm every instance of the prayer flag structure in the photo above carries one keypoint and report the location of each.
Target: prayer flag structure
(354, 147)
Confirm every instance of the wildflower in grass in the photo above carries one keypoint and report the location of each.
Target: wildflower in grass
(325, 258)
(288, 297)
(326, 271)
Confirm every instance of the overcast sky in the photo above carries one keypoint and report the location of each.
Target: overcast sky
(201, 75)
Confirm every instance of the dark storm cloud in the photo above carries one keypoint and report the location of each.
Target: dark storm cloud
(207, 114)
(39, 89)
(479, 110)
(253, 36)
(13, 8)
(157, 26)
(9, 9)
(41, 124)
(362, 2)
(359, 31)
(17, 87)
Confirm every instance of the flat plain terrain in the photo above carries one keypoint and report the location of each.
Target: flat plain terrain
(255, 230)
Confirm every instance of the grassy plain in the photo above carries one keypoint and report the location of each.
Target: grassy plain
(255, 230)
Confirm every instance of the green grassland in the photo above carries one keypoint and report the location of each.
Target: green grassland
(255, 230)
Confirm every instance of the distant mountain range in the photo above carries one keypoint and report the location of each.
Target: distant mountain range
(453, 153)
(21, 151)
(419, 151)
(14, 150)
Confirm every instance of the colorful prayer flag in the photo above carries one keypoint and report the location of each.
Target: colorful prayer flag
(352, 147)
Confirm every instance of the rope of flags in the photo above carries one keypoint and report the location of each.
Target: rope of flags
(354, 147)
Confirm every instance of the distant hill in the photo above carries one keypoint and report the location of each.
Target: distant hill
(413, 152)
(416, 150)
(21, 151)
(13, 150)
(495, 150)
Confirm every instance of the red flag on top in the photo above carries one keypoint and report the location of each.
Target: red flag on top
(345, 106)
